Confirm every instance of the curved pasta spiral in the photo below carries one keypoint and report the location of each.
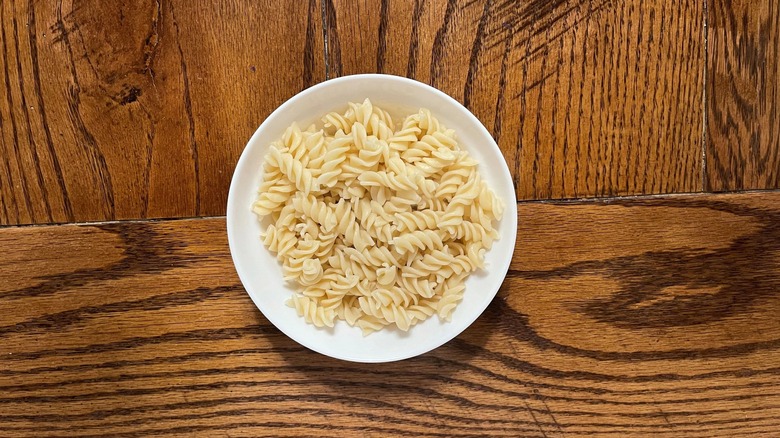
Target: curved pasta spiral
(474, 232)
(439, 159)
(332, 159)
(279, 240)
(271, 198)
(433, 261)
(311, 312)
(293, 142)
(315, 209)
(385, 276)
(293, 169)
(311, 272)
(421, 311)
(370, 324)
(490, 202)
(418, 220)
(451, 180)
(372, 151)
(387, 179)
(418, 240)
(450, 298)
(337, 122)
(421, 287)
(401, 140)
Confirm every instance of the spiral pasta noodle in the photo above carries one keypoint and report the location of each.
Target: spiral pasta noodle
(377, 226)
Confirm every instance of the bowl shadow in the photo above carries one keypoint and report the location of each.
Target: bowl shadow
(422, 374)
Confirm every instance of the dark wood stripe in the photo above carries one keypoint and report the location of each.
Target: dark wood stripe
(537, 127)
(312, 397)
(705, 432)
(332, 40)
(502, 84)
(14, 130)
(145, 251)
(33, 146)
(581, 112)
(32, 29)
(432, 361)
(356, 402)
(554, 125)
(344, 372)
(540, 17)
(743, 273)
(651, 127)
(476, 49)
(520, 329)
(131, 342)
(411, 66)
(437, 53)
(302, 411)
(520, 145)
(567, 165)
(188, 109)
(8, 195)
(742, 80)
(384, 18)
(5, 216)
(309, 49)
(147, 172)
(496, 310)
(62, 320)
(96, 157)
(274, 425)
(641, 88)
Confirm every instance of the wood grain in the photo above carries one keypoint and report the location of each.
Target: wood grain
(743, 94)
(584, 98)
(115, 110)
(618, 318)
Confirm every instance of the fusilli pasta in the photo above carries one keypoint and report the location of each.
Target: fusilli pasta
(377, 227)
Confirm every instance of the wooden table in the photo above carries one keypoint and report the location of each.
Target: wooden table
(639, 301)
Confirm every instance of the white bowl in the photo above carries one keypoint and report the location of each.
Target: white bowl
(260, 272)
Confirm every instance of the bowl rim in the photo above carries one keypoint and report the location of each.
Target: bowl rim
(244, 161)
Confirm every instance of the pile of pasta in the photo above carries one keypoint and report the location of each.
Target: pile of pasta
(376, 226)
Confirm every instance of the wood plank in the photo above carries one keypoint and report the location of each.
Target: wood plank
(116, 110)
(743, 95)
(618, 318)
(584, 98)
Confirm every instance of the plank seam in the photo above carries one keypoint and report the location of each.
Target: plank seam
(591, 200)
(323, 7)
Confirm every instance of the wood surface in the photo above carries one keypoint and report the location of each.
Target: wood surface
(116, 110)
(622, 318)
(743, 82)
(584, 98)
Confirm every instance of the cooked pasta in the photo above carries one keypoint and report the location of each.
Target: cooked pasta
(375, 226)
